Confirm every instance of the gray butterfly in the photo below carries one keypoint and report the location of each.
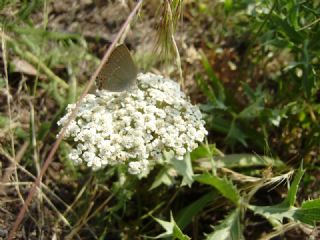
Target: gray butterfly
(119, 72)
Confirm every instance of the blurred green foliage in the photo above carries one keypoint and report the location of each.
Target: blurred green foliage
(286, 99)
(263, 119)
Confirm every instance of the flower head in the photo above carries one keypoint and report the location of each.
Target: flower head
(134, 127)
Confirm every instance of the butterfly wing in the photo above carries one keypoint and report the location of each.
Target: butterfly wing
(119, 72)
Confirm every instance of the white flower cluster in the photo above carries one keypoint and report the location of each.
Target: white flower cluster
(136, 126)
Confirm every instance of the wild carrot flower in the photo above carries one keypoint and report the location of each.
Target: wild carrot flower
(134, 127)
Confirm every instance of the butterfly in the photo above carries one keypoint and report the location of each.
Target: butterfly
(119, 73)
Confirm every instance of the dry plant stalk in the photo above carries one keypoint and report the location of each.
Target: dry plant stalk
(170, 17)
(59, 139)
(11, 168)
(173, 27)
(4, 56)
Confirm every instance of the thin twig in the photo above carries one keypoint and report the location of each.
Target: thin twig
(4, 57)
(72, 115)
(36, 162)
(280, 230)
(309, 25)
(11, 133)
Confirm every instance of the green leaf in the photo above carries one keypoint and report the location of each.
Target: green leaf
(246, 160)
(309, 212)
(184, 169)
(186, 214)
(30, 31)
(236, 133)
(177, 233)
(287, 30)
(44, 130)
(292, 193)
(162, 178)
(228, 229)
(4, 121)
(28, 7)
(217, 85)
(167, 226)
(2, 83)
(228, 5)
(171, 230)
(252, 111)
(281, 43)
(293, 13)
(207, 90)
(274, 214)
(310, 204)
(21, 133)
(203, 151)
(308, 79)
(220, 124)
(225, 187)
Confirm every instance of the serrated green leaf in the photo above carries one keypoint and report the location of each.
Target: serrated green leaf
(309, 212)
(177, 233)
(315, 203)
(171, 230)
(167, 226)
(274, 213)
(228, 229)
(309, 216)
(162, 178)
(225, 187)
(184, 169)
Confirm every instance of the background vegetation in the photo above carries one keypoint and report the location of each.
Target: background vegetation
(252, 66)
